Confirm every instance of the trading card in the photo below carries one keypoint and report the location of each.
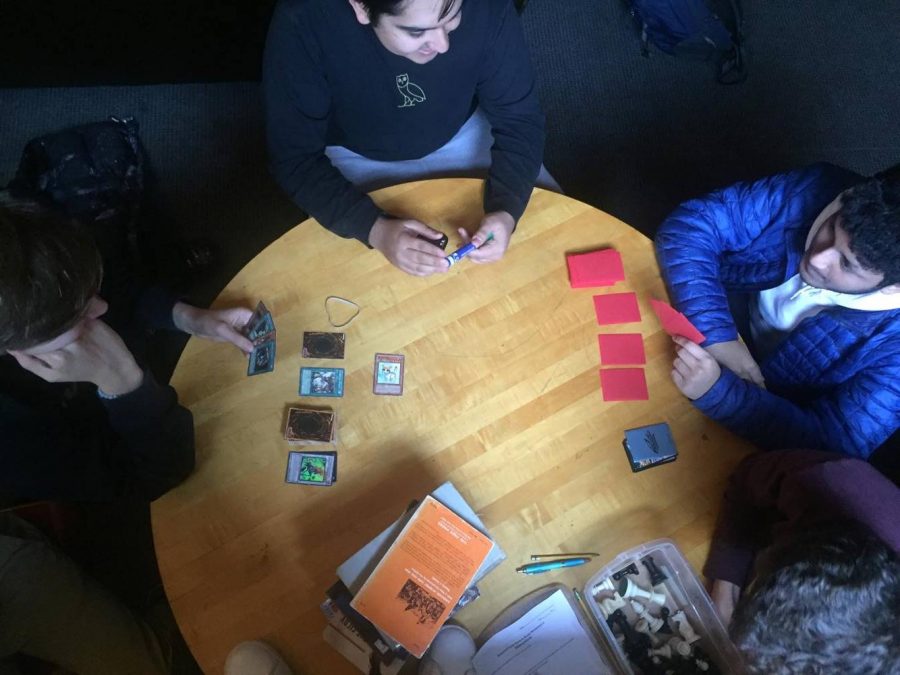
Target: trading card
(260, 324)
(322, 382)
(388, 378)
(323, 345)
(262, 359)
(310, 468)
(310, 426)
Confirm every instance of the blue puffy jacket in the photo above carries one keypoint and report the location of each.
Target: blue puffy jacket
(834, 382)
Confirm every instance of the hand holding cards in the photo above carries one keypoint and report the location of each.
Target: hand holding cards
(260, 330)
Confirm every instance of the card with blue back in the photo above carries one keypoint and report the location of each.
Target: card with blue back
(649, 446)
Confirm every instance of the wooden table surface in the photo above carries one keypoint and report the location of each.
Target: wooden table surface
(502, 397)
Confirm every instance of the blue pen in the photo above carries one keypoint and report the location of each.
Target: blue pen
(462, 252)
(538, 568)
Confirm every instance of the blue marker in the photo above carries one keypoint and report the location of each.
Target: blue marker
(461, 253)
(538, 568)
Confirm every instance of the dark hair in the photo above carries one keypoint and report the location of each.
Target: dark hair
(377, 8)
(870, 215)
(827, 602)
(49, 270)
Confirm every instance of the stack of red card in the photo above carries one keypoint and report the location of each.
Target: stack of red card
(596, 268)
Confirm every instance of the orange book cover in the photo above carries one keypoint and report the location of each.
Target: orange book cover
(422, 576)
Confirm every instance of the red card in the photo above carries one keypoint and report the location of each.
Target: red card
(623, 384)
(676, 323)
(621, 349)
(616, 308)
(597, 268)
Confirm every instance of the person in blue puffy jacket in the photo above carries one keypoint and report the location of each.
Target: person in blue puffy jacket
(794, 280)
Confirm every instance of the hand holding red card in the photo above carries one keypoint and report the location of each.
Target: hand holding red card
(675, 323)
(596, 268)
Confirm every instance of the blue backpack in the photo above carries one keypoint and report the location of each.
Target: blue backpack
(708, 30)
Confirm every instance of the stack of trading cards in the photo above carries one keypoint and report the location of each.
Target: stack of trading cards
(322, 382)
(649, 446)
(323, 345)
(311, 468)
(306, 426)
(388, 378)
(260, 330)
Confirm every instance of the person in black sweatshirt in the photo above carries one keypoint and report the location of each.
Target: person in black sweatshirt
(80, 418)
(360, 94)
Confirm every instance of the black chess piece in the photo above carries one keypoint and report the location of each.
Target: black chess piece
(656, 575)
(664, 615)
(631, 569)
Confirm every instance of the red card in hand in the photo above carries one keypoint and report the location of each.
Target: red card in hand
(623, 384)
(621, 349)
(597, 268)
(675, 323)
(616, 308)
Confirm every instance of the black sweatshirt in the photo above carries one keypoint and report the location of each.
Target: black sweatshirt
(328, 80)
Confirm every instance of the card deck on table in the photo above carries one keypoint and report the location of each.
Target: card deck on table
(323, 345)
(649, 446)
(261, 325)
(262, 359)
(388, 378)
(311, 468)
(260, 330)
(310, 427)
(322, 382)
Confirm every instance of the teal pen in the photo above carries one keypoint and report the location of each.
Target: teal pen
(540, 567)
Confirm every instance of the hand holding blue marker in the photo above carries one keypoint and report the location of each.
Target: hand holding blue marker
(540, 567)
(462, 252)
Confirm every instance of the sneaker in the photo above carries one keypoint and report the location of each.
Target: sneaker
(255, 658)
(451, 653)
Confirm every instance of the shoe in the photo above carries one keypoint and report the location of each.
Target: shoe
(255, 658)
(450, 653)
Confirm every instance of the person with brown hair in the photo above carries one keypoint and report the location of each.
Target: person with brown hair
(80, 418)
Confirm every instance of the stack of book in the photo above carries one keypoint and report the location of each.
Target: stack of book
(395, 593)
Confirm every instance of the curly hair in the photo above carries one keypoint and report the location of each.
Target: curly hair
(870, 215)
(378, 8)
(49, 270)
(828, 602)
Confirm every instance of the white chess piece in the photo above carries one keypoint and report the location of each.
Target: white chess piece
(680, 646)
(684, 627)
(665, 651)
(701, 664)
(641, 626)
(655, 622)
(605, 585)
(632, 590)
(610, 605)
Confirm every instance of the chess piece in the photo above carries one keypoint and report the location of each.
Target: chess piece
(631, 569)
(605, 585)
(701, 665)
(611, 604)
(642, 626)
(629, 589)
(655, 623)
(684, 627)
(665, 651)
(656, 575)
(664, 617)
(680, 647)
(636, 643)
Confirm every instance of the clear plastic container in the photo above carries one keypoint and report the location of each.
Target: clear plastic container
(661, 641)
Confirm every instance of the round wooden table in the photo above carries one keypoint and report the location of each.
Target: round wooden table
(502, 397)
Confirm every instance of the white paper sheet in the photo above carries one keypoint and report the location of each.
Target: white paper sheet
(548, 640)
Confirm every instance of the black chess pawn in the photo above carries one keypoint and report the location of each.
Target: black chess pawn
(631, 569)
(656, 575)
